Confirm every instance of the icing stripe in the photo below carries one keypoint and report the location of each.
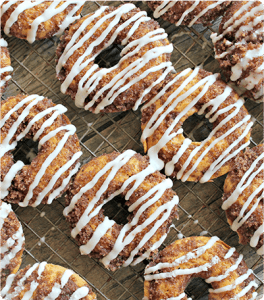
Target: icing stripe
(55, 111)
(123, 239)
(155, 272)
(214, 113)
(124, 79)
(49, 12)
(56, 290)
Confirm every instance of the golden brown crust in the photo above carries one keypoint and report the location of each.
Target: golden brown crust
(174, 286)
(172, 147)
(11, 225)
(127, 99)
(52, 274)
(174, 13)
(239, 47)
(242, 165)
(46, 29)
(5, 61)
(135, 165)
(23, 179)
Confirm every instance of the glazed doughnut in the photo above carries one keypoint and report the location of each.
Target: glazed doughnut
(208, 258)
(144, 59)
(243, 197)
(5, 67)
(47, 282)
(48, 175)
(37, 20)
(152, 205)
(239, 47)
(188, 12)
(182, 95)
(12, 241)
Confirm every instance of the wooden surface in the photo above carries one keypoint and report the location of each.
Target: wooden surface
(200, 204)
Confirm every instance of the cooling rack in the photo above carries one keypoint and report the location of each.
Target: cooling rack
(46, 231)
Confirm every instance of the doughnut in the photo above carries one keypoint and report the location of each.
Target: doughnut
(38, 20)
(182, 95)
(48, 176)
(239, 47)
(243, 197)
(167, 276)
(12, 241)
(148, 194)
(48, 282)
(143, 65)
(5, 67)
(188, 12)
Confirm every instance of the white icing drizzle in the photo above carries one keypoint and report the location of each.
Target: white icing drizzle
(17, 238)
(166, 5)
(31, 101)
(9, 177)
(172, 101)
(56, 288)
(246, 13)
(50, 12)
(183, 259)
(3, 81)
(92, 210)
(227, 272)
(19, 286)
(232, 286)
(177, 271)
(34, 284)
(92, 76)
(5, 209)
(245, 182)
(246, 290)
(3, 43)
(181, 296)
(13, 244)
(80, 293)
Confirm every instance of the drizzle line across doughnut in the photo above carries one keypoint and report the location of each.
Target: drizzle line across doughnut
(48, 175)
(243, 197)
(152, 205)
(37, 20)
(48, 281)
(12, 242)
(239, 47)
(167, 276)
(182, 95)
(188, 12)
(145, 59)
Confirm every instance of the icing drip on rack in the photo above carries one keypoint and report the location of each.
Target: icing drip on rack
(151, 272)
(172, 101)
(244, 34)
(166, 5)
(49, 12)
(57, 288)
(123, 239)
(253, 200)
(94, 74)
(13, 244)
(5, 146)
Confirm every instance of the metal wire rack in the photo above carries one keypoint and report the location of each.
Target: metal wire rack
(46, 231)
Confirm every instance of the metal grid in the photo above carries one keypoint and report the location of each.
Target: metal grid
(46, 231)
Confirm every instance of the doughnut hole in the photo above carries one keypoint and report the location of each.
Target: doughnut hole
(109, 57)
(197, 128)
